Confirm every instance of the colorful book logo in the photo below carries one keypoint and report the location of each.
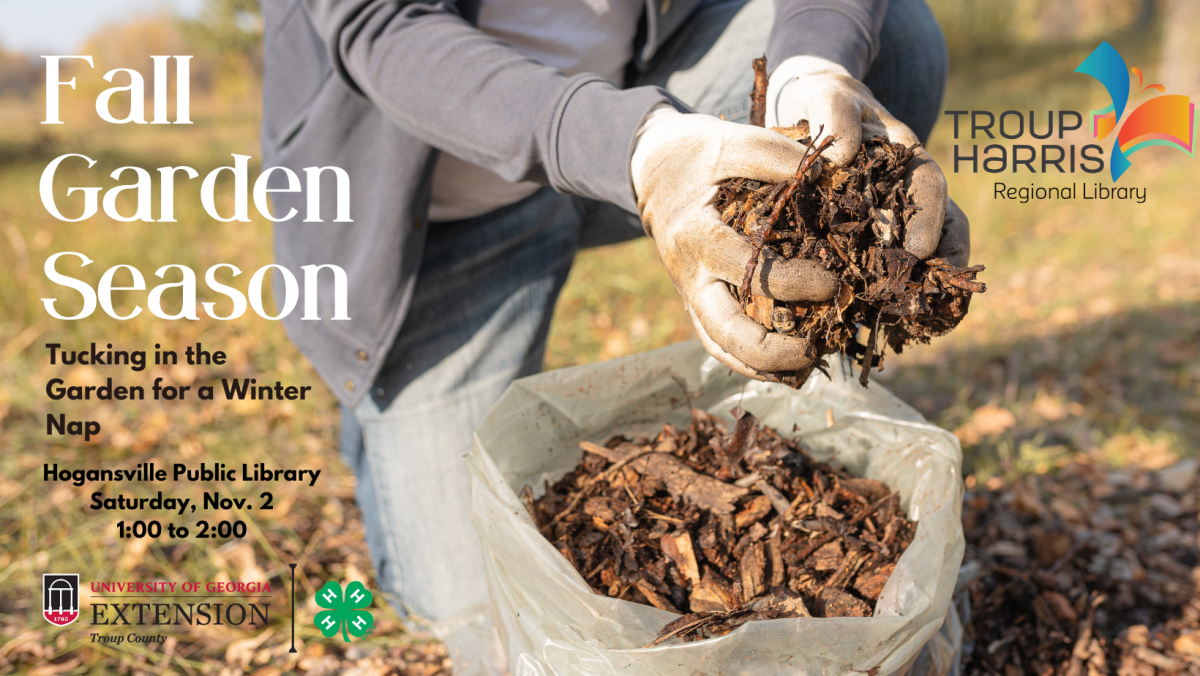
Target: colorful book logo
(1164, 120)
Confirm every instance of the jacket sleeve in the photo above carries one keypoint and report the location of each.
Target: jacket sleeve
(845, 32)
(447, 83)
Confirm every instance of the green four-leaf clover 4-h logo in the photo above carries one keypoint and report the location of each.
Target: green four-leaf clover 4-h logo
(345, 611)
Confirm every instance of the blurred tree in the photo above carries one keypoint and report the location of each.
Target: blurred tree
(226, 27)
(227, 39)
(20, 74)
(978, 28)
(128, 44)
(1145, 16)
(1181, 50)
(124, 44)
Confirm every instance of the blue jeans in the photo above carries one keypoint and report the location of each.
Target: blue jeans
(484, 297)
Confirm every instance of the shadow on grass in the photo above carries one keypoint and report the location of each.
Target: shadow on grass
(1123, 387)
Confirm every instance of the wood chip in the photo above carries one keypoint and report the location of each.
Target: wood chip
(679, 549)
(713, 593)
(753, 568)
(662, 521)
(681, 481)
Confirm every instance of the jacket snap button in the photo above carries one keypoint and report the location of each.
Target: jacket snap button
(349, 385)
(664, 8)
(362, 356)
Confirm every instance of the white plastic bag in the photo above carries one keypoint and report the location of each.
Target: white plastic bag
(552, 623)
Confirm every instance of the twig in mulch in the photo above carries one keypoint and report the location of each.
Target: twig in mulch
(723, 527)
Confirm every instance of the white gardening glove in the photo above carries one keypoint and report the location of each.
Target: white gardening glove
(677, 164)
(825, 94)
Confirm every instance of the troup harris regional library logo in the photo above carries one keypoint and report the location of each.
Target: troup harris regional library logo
(60, 598)
(1165, 120)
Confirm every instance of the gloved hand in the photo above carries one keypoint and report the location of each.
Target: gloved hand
(824, 93)
(677, 164)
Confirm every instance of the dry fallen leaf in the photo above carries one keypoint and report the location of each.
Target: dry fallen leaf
(242, 652)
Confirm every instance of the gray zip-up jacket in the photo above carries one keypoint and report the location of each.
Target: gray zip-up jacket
(377, 86)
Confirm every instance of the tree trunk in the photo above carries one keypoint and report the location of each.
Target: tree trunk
(1180, 70)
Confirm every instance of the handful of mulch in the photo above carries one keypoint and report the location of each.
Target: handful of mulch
(852, 222)
(724, 528)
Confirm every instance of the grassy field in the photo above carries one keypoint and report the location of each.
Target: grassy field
(1086, 342)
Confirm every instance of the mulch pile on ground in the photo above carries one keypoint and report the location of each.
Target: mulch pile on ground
(723, 527)
(852, 222)
(1086, 572)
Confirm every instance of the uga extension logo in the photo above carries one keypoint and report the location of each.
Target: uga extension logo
(60, 598)
(1164, 120)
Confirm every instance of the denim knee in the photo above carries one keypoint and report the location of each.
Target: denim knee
(909, 74)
